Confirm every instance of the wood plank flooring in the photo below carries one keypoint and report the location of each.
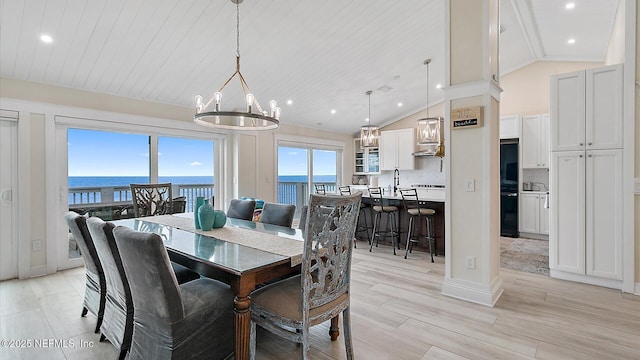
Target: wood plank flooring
(397, 313)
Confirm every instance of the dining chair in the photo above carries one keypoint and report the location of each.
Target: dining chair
(362, 214)
(320, 189)
(95, 284)
(180, 204)
(278, 214)
(417, 212)
(289, 308)
(151, 199)
(193, 320)
(117, 323)
(241, 209)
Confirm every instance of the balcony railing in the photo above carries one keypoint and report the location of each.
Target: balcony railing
(113, 202)
(297, 193)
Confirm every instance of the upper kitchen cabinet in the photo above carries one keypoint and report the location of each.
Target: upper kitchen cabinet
(535, 141)
(510, 127)
(367, 161)
(396, 149)
(589, 102)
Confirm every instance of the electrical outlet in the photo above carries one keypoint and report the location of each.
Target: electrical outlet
(37, 245)
(470, 185)
(470, 262)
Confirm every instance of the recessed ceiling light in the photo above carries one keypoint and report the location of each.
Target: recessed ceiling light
(439, 86)
(47, 39)
(571, 41)
(333, 111)
(399, 104)
(570, 5)
(289, 102)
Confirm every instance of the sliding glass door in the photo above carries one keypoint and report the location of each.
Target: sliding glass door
(300, 168)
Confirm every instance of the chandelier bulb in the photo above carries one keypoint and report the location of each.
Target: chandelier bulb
(277, 113)
(217, 97)
(272, 107)
(249, 102)
(198, 104)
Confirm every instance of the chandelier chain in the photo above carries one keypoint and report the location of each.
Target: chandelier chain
(238, 29)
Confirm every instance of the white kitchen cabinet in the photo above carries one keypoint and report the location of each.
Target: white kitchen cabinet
(510, 127)
(534, 217)
(586, 176)
(529, 213)
(366, 161)
(587, 109)
(535, 141)
(396, 149)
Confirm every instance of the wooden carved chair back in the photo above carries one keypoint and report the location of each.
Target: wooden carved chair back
(152, 199)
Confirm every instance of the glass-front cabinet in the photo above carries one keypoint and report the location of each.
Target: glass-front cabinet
(366, 161)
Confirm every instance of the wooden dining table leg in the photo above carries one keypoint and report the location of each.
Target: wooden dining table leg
(334, 331)
(242, 317)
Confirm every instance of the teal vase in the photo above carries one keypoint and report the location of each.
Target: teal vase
(220, 219)
(206, 215)
(199, 202)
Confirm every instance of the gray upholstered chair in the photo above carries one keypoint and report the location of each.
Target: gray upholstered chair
(95, 286)
(290, 307)
(278, 214)
(241, 209)
(117, 324)
(151, 199)
(170, 321)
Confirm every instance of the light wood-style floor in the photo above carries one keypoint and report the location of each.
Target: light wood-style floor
(397, 313)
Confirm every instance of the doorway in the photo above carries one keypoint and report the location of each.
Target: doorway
(8, 194)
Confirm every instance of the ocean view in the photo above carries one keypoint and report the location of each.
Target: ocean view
(103, 181)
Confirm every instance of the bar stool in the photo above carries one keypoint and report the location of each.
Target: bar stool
(381, 207)
(346, 190)
(412, 205)
(320, 190)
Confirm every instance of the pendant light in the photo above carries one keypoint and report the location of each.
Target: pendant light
(429, 127)
(369, 134)
(254, 118)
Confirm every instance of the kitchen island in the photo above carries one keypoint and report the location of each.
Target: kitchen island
(430, 198)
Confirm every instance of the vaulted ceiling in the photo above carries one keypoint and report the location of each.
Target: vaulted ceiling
(320, 55)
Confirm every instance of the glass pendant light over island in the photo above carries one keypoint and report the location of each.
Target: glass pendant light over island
(254, 118)
(369, 134)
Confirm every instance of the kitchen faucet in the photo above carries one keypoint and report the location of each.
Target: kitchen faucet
(396, 181)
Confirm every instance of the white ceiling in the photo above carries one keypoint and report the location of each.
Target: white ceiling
(322, 55)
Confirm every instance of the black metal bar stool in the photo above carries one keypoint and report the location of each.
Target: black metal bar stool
(320, 190)
(346, 190)
(381, 207)
(412, 205)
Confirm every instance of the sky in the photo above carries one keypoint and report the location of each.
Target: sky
(106, 153)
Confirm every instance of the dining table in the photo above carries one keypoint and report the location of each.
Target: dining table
(243, 254)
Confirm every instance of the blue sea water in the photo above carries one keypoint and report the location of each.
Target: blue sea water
(102, 181)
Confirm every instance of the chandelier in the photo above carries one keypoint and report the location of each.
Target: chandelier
(253, 118)
(369, 134)
(429, 127)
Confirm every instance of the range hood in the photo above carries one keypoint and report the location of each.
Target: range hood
(428, 150)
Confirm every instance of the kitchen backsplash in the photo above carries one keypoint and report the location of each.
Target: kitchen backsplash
(427, 172)
(539, 178)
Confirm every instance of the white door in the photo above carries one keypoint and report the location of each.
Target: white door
(568, 111)
(406, 147)
(528, 213)
(388, 150)
(566, 238)
(543, 224)
(544, 150)
(603, 124)
(8, 195)
(604, 214)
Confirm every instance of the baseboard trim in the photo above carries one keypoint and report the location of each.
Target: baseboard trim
(636, 291)
(609, 283)
(40, 270)
(534, 236)
(473, 292)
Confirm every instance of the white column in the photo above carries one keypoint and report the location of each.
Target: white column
(472, 224)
